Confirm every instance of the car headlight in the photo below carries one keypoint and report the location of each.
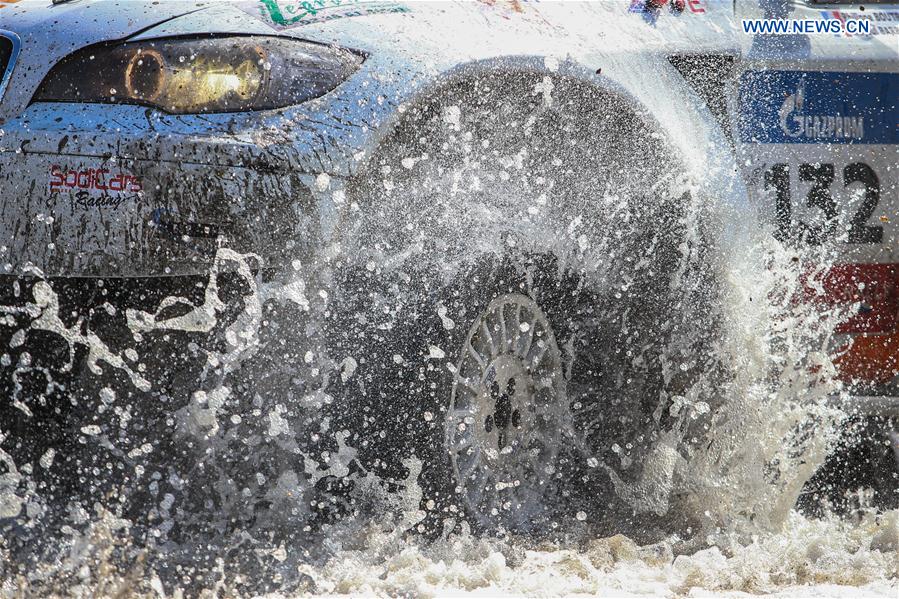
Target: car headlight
(191, 75)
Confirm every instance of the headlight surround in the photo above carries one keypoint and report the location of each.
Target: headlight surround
(200, 75)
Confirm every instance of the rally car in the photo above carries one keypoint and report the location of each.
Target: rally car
(536, 247)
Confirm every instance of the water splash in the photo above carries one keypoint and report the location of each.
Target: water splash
(247, 478)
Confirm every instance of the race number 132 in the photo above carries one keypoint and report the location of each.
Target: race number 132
(820, 177)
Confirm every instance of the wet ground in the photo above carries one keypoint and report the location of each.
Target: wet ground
(826, 557)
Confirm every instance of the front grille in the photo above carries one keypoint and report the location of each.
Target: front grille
(9, 48)
(5, 53)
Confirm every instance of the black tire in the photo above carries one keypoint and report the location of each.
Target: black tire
(626, 310)
(398, 397)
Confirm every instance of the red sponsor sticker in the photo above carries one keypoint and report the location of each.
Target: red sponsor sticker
(873, 354)
(678, 6)
(874, 287)
(99, 179)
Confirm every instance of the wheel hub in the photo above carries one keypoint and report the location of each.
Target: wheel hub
(507, 411)
(507, 388)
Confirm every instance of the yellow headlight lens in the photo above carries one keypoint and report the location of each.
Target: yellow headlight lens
(207, 84)
(145, 75)
(181, 75)
(196, 82)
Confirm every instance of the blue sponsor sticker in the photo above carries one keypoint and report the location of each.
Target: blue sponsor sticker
(801, 107)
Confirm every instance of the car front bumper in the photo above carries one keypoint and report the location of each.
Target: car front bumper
(74, 209)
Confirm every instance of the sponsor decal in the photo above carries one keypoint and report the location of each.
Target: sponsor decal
(677, 6)
(651, 9)
(873, 291)
(284, 14)
(196, 238)
(870, 358)
(795, 124)
(787, 107)
(879, 22)
(93, 179)
(168, 224)
(696, 6)
(84, 199)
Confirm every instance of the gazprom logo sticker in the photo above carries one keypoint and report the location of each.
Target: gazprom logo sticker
(789, 107)
(796, 124)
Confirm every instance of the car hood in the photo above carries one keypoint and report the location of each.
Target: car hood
(49, 32)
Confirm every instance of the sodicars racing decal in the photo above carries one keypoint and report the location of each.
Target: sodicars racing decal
(94, 187)
(99, 179)
(285, 14)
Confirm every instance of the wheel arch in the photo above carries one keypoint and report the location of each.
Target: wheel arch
(653, 92)
(468, 73)
(683, 134)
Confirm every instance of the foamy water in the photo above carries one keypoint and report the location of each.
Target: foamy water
(827, 557)
(748, 540)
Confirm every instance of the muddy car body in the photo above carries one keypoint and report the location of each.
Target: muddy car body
(402, 217)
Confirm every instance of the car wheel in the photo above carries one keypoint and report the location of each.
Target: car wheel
(512, 383)
(489, 200)
(518, 401)
(507, 410)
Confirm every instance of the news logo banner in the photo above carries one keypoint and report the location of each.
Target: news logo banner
(806, 26)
